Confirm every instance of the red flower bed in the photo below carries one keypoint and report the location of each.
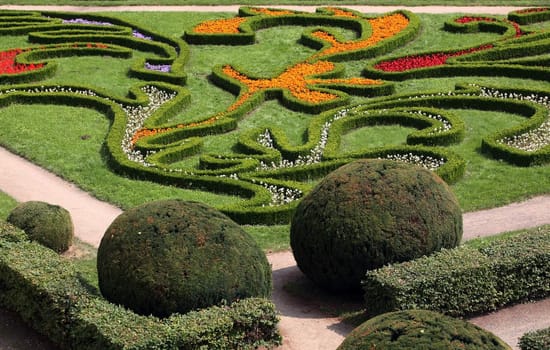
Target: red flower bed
(536, 9)
(9, 66)
(422, 61)
(469, 19)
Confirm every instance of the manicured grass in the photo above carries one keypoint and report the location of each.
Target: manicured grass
(279, 2)
(7, 203)
(69, 140)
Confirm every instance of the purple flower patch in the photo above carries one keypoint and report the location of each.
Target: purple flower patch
(86, 21)
(139, 35)
(165, 68)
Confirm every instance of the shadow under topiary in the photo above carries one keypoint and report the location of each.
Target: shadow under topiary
(420, 329)
(48, 224)
(173, 256)
(367, 214)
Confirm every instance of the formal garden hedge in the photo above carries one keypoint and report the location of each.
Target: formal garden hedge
(49, 294)
(266, 169)
(465, 281)
(536, 340)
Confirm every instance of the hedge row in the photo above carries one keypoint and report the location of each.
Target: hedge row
(496, 59)
(531, 15)
(47, 28)
(320, 20)
(46, 290)
(537, 340)
(468, 97)
(465, 281)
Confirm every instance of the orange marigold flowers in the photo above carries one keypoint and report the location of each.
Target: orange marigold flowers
(341, 13)
(294, 79)
(382, 28)
(220, 26)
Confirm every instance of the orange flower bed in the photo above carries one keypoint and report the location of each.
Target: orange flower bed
(382, 28)
(151, 132)
(341, 13)
(220, 26)
(294, 79)
(269, 12)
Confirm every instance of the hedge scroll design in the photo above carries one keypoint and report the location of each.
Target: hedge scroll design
(265, 169)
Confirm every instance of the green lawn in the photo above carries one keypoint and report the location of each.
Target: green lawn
(69, 140)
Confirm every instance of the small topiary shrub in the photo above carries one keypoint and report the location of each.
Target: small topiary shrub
(173, 256)
(48, 224)
(420, 329)
(536, 340)
(367, 214)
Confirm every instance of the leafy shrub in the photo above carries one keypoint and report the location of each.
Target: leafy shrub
(466, 280)
(48, 224)
(420, 329)
(48, 293)
(537, 340)
(173, 256)
(367, 214)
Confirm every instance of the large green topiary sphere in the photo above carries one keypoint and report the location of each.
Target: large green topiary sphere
(367, 214)
(48, 224)
(174, 256)
(420, 329)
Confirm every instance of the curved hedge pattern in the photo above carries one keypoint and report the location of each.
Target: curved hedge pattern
(269, 172)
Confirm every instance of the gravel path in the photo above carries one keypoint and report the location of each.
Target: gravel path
(497, 10)
(303, 322)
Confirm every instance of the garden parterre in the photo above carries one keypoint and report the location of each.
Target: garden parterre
(265, 168)
(148, 141)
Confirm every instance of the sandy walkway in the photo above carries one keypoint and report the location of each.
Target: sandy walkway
(303, 322)
(502, 10)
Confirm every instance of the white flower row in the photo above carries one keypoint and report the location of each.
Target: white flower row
(316, 153)
(530, 141)
(446, 125)
(135, 119)
(427, 162)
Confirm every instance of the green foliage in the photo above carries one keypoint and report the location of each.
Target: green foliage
(7, 204)
(48, 293)
(536, 340)
(48, 224)
(465, 280)
(367, 214)
(420, 329)
(174, 256)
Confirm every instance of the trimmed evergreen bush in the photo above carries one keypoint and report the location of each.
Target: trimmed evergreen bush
(173, 256)
(48, 224)
(49, 294)
(420, 329)
(466, 280)
(537, 340)
(367, 214)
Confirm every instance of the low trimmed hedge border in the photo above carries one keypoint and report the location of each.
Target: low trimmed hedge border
(465, 281)
(47, 292)
(536, 340)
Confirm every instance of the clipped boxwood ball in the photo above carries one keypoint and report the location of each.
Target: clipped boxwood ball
(367, 214)
(173, 256)
(420, 329)
(48, 224)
